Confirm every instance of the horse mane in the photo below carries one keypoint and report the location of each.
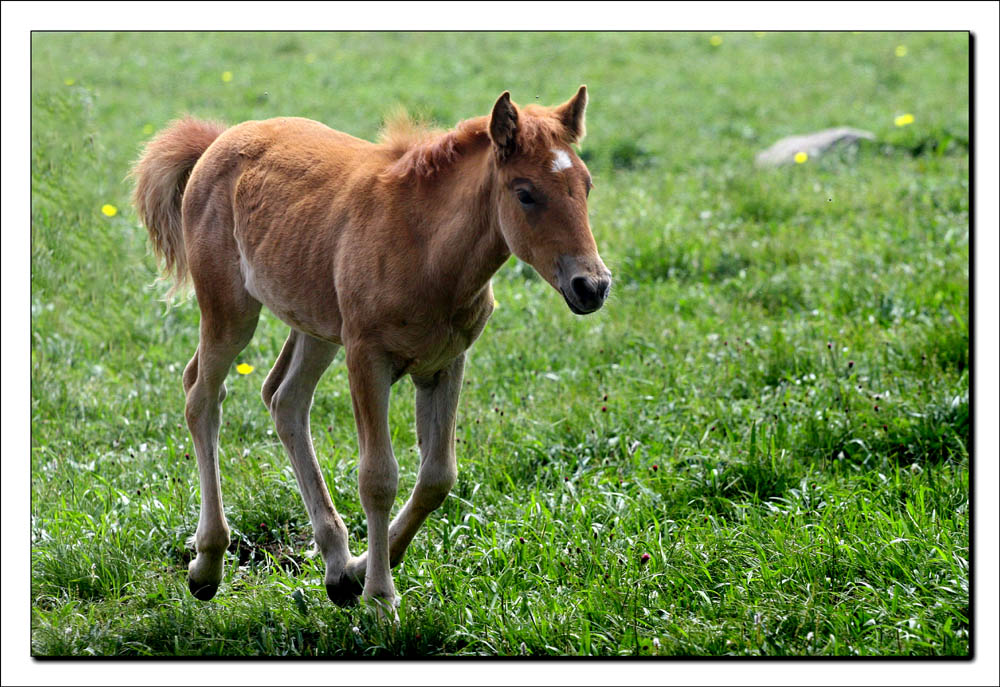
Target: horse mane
(423, 151)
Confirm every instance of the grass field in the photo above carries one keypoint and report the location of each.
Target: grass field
(774, 403)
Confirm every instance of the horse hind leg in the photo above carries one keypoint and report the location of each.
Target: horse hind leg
(288, 393)
(228, 320)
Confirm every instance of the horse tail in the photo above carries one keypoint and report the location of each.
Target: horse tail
(160, 175)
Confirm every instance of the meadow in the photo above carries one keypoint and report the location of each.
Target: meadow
(760, 446)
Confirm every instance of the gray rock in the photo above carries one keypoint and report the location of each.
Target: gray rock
(815, 144)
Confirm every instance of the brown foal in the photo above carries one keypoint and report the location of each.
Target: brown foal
(386, 249)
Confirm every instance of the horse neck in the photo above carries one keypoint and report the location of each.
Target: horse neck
(467, 247)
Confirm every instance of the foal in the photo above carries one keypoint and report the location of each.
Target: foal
(385, 249)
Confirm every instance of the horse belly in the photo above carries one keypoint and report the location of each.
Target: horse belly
(287, 241)
(300, 292)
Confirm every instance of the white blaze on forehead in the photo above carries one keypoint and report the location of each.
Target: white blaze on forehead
(561, 160)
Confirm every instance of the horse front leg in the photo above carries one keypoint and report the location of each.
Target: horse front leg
(370, 375)
(436, 408)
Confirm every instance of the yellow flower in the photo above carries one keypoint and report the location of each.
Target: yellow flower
(900, 51)
(68, 81)
(148, 129)
(227, 77)
(109, 210)
(903, 120)
(496, 304)
(244, 369)
(715, 40)
(310, 58)
(801, 157)
(759, 34)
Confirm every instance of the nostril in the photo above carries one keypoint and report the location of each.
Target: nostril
(602, 288)
(581, 287)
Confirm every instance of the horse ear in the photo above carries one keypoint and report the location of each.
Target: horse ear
(571, 114)
(503, 126)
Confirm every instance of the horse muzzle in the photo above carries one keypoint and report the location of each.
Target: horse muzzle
(584, 287)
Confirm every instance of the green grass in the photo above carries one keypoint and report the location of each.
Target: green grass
(774, 403)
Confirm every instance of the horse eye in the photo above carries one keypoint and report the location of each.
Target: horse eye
(525, 198)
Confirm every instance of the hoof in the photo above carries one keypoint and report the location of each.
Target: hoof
(202, 592)
(386, 610)
(344, 592)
